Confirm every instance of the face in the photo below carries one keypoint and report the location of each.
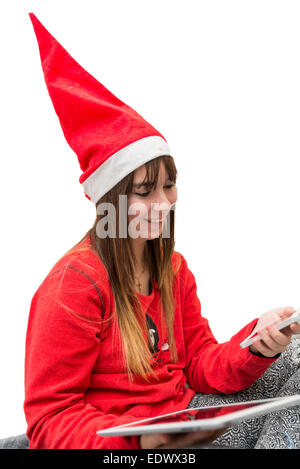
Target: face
(149, 207)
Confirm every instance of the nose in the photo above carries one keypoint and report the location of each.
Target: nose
(160, 204)
(161, 197)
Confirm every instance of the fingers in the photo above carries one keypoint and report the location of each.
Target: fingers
(181, 440)
(274, 315)
(279, 338)
(152, 441)
(259, 346)
(286, 312)
(281, 313)
(211, 436)
(295, 328)
(271, 341)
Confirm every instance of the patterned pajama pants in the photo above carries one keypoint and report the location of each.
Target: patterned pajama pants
(277, 430)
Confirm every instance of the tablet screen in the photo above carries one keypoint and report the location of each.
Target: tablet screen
(201, 417)
(196, 413)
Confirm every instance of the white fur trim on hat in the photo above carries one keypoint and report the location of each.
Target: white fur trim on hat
(122, 163)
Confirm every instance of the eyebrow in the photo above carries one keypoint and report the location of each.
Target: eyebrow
(146, 184)
(141, 184)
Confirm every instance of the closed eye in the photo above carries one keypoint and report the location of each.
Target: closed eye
(144, 194)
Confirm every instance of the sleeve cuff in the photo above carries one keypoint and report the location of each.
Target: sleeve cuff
(253, 365)
(253, 323)
(263, 356)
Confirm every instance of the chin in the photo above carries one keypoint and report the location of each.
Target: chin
(154, 235)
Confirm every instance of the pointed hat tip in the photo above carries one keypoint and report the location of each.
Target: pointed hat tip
(35, 21)
(32, 15)
(33, 18)
(39, 28)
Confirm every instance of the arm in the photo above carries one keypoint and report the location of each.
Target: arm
(212, 367)
(61, 350)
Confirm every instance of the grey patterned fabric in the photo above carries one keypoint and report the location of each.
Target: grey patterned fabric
(277, 430)
(15, 442)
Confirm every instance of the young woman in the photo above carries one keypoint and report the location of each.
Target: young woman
(115, 330)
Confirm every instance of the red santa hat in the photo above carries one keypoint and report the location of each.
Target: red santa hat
(109, 138)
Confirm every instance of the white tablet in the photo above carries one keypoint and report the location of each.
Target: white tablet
(202, 418)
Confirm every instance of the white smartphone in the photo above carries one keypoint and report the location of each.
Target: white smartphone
(295, 317)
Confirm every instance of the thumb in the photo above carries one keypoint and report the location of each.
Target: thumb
(164, 438)
(287, 312)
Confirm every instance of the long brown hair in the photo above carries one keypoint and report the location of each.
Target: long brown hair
(118, 258)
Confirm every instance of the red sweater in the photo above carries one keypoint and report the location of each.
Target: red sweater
(75, 381)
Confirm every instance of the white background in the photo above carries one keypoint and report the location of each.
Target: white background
(220, 80)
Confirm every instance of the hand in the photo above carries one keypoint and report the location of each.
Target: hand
(178, 440)
(270, 340)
